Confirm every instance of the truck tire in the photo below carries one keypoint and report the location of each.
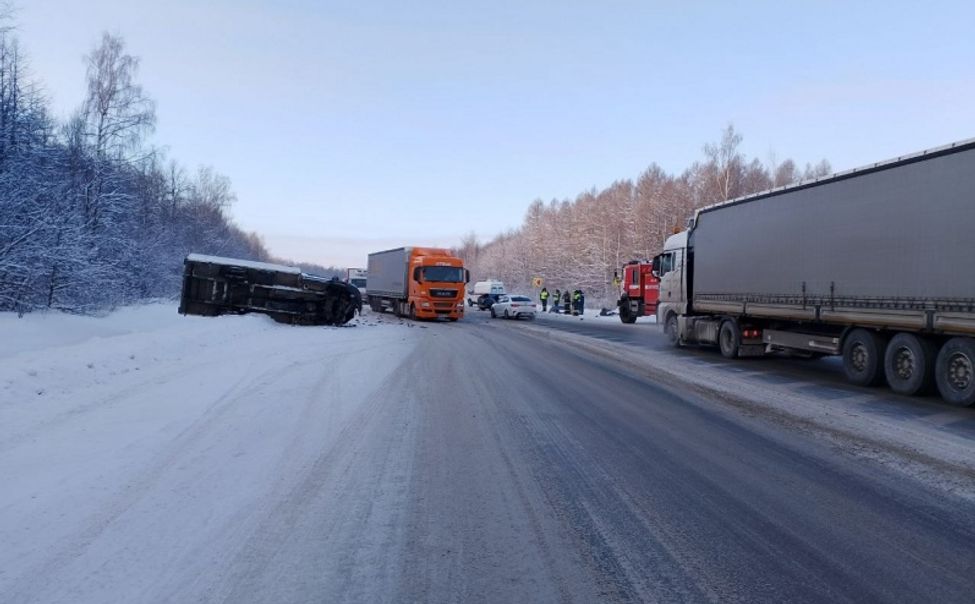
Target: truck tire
(863, 354)
(729, 340)
(625, 315)
(671, 330)
(909, 364)
(412, 312)
(955, 372)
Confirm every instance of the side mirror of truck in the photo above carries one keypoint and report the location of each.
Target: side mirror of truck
(416, 275)
(467, 276)
(655, 267)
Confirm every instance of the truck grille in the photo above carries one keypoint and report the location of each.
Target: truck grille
(443, 293)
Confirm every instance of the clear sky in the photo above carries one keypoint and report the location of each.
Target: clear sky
(348, 127)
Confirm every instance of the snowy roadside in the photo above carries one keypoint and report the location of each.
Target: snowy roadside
(591, 314)
(858, 423)
(145, 435)
(594, 315)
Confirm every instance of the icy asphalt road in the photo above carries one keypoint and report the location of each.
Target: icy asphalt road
(444, 463)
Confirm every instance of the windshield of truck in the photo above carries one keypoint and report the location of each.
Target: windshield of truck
(449, 274)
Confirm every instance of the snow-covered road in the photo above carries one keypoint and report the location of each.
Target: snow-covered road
(148, 457)
(140, 454)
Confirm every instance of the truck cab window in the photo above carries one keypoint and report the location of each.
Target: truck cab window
(666, 263)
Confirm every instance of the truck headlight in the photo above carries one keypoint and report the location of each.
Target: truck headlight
(425, 304)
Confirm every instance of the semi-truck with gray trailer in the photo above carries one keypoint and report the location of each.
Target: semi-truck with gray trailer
(418, 282)
(875, 264)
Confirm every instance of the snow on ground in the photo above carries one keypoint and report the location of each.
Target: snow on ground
(594, 314)
(41, 330)
(103, 419)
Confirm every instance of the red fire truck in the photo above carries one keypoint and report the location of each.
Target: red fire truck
(639, 291)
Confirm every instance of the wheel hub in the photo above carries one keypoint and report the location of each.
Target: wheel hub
(859, 356)
(960, 371)
(904, 363)
(726, 340)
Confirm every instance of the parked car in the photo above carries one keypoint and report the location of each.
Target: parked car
(486, 301)
(513, 306)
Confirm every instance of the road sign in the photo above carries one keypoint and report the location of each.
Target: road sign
(537, 282)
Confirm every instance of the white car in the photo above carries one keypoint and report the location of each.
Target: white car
(513, 306)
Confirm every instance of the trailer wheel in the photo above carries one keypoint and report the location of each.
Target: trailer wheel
(729, 340)
(670, 329)
(863, 353)
(955, 372)
(909, 363)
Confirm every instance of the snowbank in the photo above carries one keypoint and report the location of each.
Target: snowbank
(594, 314)
(124, 438)
(42, 330)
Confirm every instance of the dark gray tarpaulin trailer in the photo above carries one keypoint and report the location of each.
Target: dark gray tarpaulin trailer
(894, 240)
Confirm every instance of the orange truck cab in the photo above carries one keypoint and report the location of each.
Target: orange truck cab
(418, 282)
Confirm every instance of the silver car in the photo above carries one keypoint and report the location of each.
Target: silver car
(513, 306)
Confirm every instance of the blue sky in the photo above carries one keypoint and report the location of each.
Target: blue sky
(348, 127)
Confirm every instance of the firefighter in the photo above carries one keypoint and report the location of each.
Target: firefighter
(556, 301)
(543, 296)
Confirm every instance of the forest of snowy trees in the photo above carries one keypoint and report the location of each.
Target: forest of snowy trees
(580, 243)
(90, 215)
(93, 216)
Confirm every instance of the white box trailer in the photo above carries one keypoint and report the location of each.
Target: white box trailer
(875, 264)
(357, 278)
(490, 286)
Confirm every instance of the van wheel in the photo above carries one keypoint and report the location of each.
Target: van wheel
(863, 353)
(670, 330)
(955, 372)
(729, 340)
(909, 364)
